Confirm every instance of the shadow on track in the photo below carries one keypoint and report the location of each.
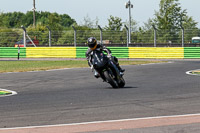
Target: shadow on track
(126, 87)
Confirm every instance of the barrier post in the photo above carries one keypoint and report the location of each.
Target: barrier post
(182, 28)
(18, 52)
(74, 35)
(24, 35)
(155, 37)
(49, 35)
(101, 35)
(127, 33)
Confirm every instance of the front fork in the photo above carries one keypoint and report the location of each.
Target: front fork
(115, 71)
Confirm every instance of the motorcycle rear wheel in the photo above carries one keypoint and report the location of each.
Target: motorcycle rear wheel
(110, 79)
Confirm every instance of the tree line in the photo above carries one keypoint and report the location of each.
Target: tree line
(16, 19)
(168, 21)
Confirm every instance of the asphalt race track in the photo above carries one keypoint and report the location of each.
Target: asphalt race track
(75, 96)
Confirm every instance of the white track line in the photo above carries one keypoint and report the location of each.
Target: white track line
(97, 122)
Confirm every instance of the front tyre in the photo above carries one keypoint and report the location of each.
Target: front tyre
(122, 82)
(110, 79)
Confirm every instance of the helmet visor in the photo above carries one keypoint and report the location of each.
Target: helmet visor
(92, 45)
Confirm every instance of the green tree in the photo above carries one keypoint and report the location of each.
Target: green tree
(169, 20)
(88, 22)
(28, 19)
(114, 23)
(66, 20)
(16, 19)
(8, 37)
(134, 25)
(40, 33)
(54, 21)
(67, 37)
(1, 20)
(1, 23)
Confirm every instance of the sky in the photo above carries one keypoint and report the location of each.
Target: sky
(101, 9)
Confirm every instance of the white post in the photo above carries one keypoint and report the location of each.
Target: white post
(24, 34)
(101, 35)
(127, 32)
(183, 32)
(155, 38)
(49, 35)
(74, 36)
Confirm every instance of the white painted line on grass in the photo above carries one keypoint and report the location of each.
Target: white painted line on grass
(190, 73)
(51, 70)
(155, 63)
(12, 92)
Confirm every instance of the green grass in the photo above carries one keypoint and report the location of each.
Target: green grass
(138, 62)
(196, 73)
(4, 92)
(24, 66)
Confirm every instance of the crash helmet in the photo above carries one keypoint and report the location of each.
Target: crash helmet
(92, 43)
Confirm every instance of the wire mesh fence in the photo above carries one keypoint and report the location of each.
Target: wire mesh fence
(12, 37)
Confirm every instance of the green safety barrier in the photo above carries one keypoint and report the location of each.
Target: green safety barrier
(12, 52)
(119, 52)
(80, 52)
(191, 52)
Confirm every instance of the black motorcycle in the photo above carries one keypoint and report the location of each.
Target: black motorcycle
(107, 69)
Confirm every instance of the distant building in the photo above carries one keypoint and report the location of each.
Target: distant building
(196, 40)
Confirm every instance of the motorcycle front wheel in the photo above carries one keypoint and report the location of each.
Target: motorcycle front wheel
(110, 79)
(122, 82)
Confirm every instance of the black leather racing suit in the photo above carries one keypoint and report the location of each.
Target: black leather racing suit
(103, 48)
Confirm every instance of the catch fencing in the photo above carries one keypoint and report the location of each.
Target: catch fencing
(141, 38)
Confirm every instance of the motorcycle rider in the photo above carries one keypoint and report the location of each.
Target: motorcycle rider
(93, 45)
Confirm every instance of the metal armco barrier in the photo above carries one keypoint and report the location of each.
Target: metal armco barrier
(119, 52)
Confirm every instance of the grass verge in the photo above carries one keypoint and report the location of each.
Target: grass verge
(24, 66)
(196, 73)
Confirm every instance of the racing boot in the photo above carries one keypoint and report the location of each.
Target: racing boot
(120, 69)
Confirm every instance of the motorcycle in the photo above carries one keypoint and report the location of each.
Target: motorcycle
(107, 69)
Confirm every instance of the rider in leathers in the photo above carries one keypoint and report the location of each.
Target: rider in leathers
(92, 44)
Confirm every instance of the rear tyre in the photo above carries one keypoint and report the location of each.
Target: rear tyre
(110, 79)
